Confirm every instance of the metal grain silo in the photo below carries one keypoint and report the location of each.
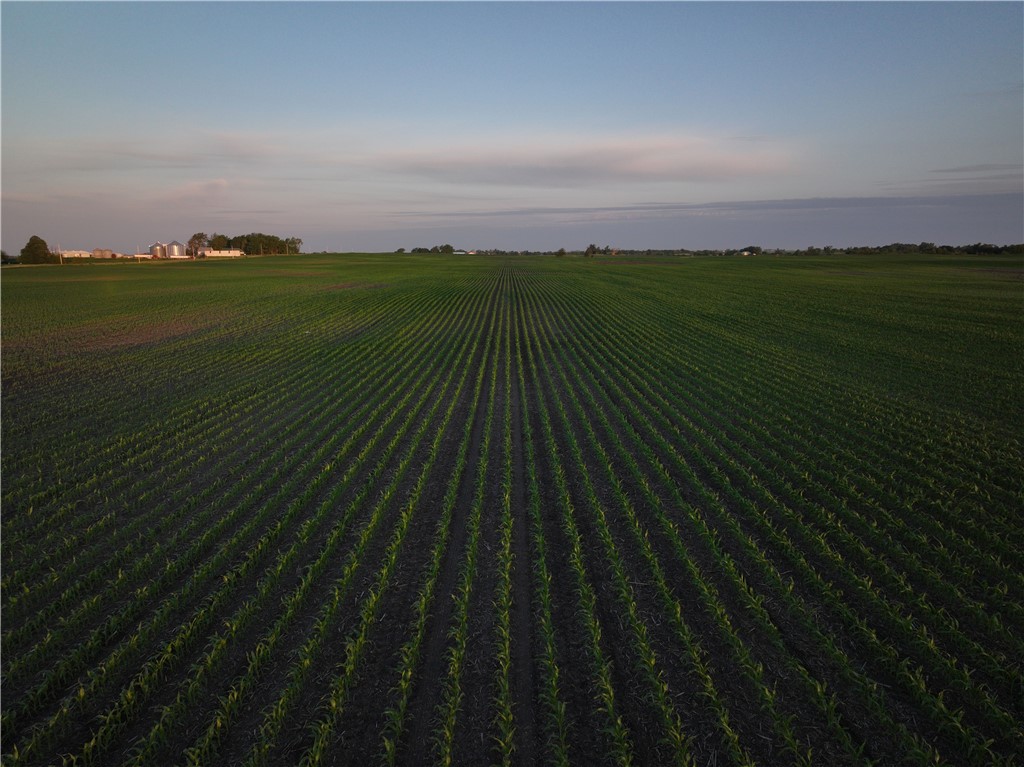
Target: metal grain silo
(158, 250)
(175, 249)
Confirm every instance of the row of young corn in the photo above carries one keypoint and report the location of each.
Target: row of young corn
(285, 461)
(674, 741)
(581, 413)
(695, 484)
(919, 530)
(100, 561)
(877, 448)
(728, 475)
(749, 391)
(504, 717)
(356, 641)
(713, 576)
(827, 521)
(359, 640)
(96, 459)
(206, 535)
(205, 750)
(411, 651)
(503, 374)
(264, 507)
(74, 545)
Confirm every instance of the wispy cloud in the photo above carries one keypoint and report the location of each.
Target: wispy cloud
(552, 162)
(969, 180)
(746, 208)
(567, 162)
(983, 168)
(203, 194)
(189, 151)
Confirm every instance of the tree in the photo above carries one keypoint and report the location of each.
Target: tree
(560, 252)
(400, 250)
(218, 241)
(196, 242)
(591, 250)
(258, 243)
(36, 251)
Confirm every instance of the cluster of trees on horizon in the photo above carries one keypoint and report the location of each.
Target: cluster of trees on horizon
(255, 243)
(446, 248)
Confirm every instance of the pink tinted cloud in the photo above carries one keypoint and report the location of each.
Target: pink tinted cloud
(201, 193)
(570, 162)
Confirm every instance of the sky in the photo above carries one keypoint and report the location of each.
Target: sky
(366, 126)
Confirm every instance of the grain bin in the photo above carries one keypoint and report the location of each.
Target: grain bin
(175, 249)
(158, 250)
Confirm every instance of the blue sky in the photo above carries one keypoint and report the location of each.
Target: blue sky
(373, 126)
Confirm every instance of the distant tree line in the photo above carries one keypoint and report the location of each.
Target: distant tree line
(978, 248)
(36, 251)
(592, 250)
(446, 248)
(255, 243)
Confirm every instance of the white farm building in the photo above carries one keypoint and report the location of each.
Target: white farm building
(212, 253)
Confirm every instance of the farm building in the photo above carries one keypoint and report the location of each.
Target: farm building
(213, 253)
(76, 254)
